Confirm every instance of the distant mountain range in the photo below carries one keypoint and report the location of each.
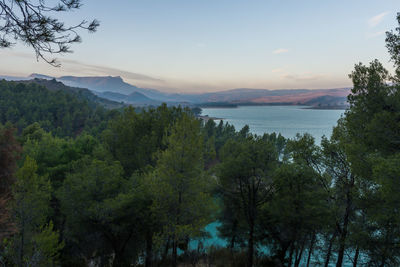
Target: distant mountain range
(134, 98)
(116, 89)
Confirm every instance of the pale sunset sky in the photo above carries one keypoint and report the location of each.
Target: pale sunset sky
(209, 45)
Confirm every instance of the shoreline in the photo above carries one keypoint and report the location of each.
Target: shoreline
(278, 104)
(327, 108)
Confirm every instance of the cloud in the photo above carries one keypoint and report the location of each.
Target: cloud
(95, 70)
(375, 20)
(375, 34)
(303, 77)
(280, 51)
(277, 70)
(102, 70)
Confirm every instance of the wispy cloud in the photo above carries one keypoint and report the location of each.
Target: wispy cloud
(375, 20)
(280, 51)
(95, 70)
(277, 70)
(303, 77)
(375, 34)
(102, 70)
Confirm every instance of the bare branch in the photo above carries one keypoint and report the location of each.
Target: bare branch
(32, 22)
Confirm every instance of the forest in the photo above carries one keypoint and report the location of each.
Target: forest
(85, 185)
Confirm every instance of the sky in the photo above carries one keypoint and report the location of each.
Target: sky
(211, 45)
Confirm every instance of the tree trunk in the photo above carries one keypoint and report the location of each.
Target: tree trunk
(328, 254)
(175, 241)
(383, 261)
(21, 249)
(300, 254)
(311, 249)
(119, 251)
(281, 255)
(165, 254)
(291, 254)
(343, 232)
(149, 249)
(343, 235)
(250, 251)
(233, 239)
(342, 241)
(355, 261)
(175, 253)
(118, 260)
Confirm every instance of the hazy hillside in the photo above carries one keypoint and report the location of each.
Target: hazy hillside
(110, 85)
(134, 98)
(264, 96)
(116, 89)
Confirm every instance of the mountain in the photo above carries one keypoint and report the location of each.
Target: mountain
(116, 89)
(111, 84)
(112, 95)
(14, 78)
(134, 98)
(303, 96)
(137, 97)
(265, 96)
(101, 84)
(40, 76)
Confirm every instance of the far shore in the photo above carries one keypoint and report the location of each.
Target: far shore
(229, 106)
(328, 107)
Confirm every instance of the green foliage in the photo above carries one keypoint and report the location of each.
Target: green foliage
(297, 210)
(36, 242)
(182, 189)
(245, 181)
(133, 138)
(32, 196)
(58, 111)
(196, 111)
(381, 213)
(373, 119)
(89, 200)
(371, 144)
(48, 245)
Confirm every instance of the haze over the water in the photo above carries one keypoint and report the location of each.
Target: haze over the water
(209, 45)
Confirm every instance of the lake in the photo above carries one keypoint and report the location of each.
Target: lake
(287, 120)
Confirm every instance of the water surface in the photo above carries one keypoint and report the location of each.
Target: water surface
(287, 120)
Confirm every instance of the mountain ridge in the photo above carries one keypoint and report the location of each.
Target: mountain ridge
(109, 86)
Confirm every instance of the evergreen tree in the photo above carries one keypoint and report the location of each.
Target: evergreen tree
(35, 243)
(181, 187)
(245, 180)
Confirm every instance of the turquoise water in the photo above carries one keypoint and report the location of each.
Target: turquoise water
(287, 120)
